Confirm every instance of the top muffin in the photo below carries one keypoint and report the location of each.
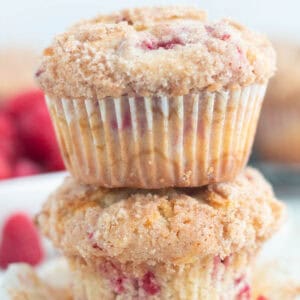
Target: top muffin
(153, 51)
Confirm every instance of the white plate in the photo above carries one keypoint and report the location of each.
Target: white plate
(28, 194)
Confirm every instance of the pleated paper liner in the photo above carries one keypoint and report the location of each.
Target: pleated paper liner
(209, 278)
(158, 142)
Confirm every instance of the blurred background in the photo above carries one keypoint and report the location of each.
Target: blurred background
(27, 140)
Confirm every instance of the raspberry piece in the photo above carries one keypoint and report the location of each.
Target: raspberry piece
(209, 29)
(39, 72)
(152, 45)
(240, 279)
(225, 37)
(244, 293)
(118, 285)
(261, 298)
(20, 241)
(26, 167)
(213, 32)
(5, 168)
(149, 45)
(149, 284)
(239, 50)
(226, 261)
(169, 44)
(217, 262)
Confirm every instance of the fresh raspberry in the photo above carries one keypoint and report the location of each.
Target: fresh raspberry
(6, 126)
(35, 129)
(149, 284)
(24, 102)
(55, 161)
(26, 167)
(8, 137)
(20, 241)
(5, 168)
(37, 133)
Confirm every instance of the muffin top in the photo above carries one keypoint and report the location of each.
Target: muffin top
(284, 88)
(170, 225)
(153, 51)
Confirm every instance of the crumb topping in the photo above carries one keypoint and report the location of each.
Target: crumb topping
(170, 225)
(153, 51)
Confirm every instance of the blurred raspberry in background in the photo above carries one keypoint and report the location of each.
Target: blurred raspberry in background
(28, 144)
(20, 241)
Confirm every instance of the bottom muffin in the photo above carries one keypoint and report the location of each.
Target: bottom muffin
(207, 278)
(194, 243)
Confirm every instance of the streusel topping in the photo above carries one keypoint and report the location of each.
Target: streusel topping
(171, 225)
(153, 51)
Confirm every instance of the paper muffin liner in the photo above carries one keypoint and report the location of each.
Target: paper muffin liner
(158, 142)
(209, 278)
(278, 138)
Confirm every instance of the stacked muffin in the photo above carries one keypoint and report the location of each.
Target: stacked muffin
(155, 111)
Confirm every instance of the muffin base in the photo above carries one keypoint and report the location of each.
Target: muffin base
(211, 278)
(158, 142)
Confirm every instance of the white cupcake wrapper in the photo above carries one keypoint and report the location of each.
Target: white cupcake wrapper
(158, 142)
(199, 280)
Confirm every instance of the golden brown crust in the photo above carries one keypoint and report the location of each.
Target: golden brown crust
(153, 51)
(171, 225)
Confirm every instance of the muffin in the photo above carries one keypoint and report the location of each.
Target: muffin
(183, 243)
(278, 138)
(156, 97)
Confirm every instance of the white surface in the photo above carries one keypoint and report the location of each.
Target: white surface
(36, 21)
(26, 194)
